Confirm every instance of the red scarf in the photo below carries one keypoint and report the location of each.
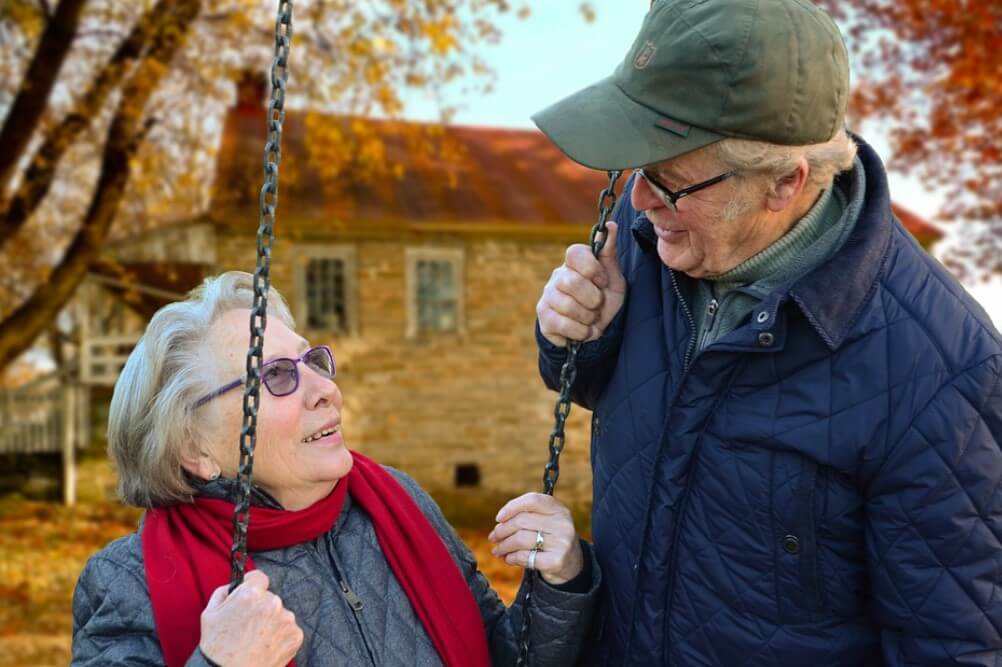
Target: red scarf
(186, 552)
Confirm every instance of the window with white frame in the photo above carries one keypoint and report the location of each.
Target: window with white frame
(326, 286)
(434, 290)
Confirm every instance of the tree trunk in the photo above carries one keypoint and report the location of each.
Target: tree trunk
(31, 318)
(29, 104)
(41, 170)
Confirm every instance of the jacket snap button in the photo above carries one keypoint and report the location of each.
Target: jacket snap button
(762, 317)
(765, 339)
(791, 544)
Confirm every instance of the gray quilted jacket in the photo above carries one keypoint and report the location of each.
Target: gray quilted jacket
(113, 619)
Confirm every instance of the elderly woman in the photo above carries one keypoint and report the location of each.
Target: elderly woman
(350, 563)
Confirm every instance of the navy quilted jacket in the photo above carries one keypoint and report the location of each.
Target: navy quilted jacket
(822, 486)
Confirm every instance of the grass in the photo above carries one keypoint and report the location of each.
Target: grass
(43, 547)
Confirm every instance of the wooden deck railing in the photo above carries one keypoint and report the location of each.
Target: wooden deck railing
(43, 416)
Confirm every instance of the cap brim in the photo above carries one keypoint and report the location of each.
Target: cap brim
(602, 128)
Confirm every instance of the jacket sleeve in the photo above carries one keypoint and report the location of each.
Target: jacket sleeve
(934, 531)
(596, 359)
(113, 619)
(559, 621)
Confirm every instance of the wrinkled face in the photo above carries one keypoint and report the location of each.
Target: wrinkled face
(714, 229)
(288, 462)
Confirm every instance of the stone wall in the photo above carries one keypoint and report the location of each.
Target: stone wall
(432, 402)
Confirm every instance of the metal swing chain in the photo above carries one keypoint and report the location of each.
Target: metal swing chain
(262, 283)
(568, 372)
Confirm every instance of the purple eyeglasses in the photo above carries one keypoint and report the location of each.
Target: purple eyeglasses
(281, 376)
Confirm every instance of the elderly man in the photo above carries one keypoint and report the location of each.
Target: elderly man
(797, 412)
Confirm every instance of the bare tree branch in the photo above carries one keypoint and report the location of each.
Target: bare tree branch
(18, 331)
(41, 170)
(107, 33)
(29, 103)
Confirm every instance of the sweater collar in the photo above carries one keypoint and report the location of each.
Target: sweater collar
(786, 253)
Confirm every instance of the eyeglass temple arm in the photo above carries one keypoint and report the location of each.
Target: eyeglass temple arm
(222, 390)
(705, 184)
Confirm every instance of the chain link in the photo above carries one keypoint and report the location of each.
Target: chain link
(568, 373)
(258, 322)
(262, 283)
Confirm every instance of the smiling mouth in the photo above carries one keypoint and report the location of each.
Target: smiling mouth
(323, 433)
(663, 233)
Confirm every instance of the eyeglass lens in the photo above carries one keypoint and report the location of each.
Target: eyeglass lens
(663, 193)
(321, 361)
(281, 376)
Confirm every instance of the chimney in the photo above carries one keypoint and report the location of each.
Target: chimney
(252, 91)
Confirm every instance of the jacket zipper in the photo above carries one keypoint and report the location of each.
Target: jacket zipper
(354, 602)
(709, 321)
(657, 460)
(691, 348)
(683, 506)
(684, 501)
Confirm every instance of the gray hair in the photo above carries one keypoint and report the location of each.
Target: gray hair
(757, 158)
(151, 424)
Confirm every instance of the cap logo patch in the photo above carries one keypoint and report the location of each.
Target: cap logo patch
(672, 125)
(644, 57)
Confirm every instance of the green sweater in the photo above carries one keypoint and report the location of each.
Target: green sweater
(722, 303)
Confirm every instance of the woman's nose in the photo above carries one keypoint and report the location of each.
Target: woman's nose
(642, 197)
(320, 390)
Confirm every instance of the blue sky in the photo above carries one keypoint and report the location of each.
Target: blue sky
(549, 55)
(555, 52)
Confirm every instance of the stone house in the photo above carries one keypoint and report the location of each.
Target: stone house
(424, 283)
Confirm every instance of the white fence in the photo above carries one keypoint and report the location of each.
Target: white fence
(102, 358)
(44, 416)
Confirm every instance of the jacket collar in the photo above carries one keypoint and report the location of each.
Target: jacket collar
(229, 490)
(855, 268)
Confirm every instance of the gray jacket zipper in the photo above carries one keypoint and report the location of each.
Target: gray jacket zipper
(709, 321)
(353, 601)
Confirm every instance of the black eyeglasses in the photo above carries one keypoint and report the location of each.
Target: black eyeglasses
(281, 376)
(668, 196)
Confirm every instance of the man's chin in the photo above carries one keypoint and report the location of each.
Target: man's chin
(678, 258)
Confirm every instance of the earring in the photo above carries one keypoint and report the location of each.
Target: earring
(215, 475)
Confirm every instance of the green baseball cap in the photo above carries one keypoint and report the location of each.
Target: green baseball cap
(702, 70)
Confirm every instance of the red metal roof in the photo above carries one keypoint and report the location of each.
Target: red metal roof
(470, 175)
(920, 229)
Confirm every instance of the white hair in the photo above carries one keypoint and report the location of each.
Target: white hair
(758, 158)
(151, 423)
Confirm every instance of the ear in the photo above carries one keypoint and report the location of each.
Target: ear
(200, 464)
(786, 189)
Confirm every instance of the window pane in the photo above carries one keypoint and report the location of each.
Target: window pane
(326, 299)
(437, 304)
